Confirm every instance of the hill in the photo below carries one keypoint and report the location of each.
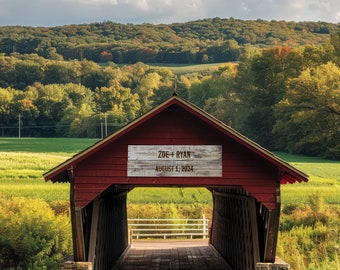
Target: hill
(202, 41)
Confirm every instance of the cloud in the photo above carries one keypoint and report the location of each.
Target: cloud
(337, 16)
(61, 12)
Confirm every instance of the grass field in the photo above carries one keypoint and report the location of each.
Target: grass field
(180, 69)
(187, 68)
(23, 162)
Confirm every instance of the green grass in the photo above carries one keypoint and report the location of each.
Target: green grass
(45, 145)
(324, 178)
(180, 69)
(314, 166)
(23, 162)
(188, 68)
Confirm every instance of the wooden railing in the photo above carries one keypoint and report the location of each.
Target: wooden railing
(168, 228)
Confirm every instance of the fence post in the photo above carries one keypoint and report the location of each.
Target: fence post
(205, 227)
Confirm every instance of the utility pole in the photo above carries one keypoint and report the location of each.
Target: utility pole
(19, 125)
(105, 118)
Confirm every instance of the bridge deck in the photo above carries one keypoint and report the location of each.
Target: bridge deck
(171, 254)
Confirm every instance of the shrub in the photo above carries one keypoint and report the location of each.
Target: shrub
(61, 207)
(309, 235)
(32, 236)
(153, 210)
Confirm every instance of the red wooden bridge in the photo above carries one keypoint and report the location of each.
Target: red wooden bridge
(177, 145)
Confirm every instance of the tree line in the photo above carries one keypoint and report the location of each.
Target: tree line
(284, 98)
(201, 41)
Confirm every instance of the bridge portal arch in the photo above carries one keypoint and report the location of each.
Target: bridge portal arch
(177, 144)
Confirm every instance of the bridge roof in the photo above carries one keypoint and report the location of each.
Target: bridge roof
(289, 174)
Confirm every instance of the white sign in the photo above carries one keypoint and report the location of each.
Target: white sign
(174, 160)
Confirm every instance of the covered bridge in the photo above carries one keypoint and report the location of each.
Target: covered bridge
(177, 145)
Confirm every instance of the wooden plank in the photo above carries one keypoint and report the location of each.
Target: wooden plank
(271, 235)
(76, 223)
(184, 256)
(164, 169)
(254, 231)
(78, 236)
(94, 231)
(121, 178)
(174, 160)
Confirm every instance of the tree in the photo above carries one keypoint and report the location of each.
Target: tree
(149, 83)
(76, 118)
(92, 75)
(26, 73)
(310, 112)
(59, 72)
(6, 98)
(260, 84)
(117, 101)
(51, 105)
(76, 121)
(335, 42)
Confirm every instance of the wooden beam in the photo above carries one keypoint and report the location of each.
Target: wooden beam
(94, 231)
(78, 236)
(77, 224)
(254, 228)
(272, 225)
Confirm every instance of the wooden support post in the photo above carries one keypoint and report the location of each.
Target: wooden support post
(94, 231)
(272, 227)
(254, 228)
(272, 224)
(77, 224)
(78, 236)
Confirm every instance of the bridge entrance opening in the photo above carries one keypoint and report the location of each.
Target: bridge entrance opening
(169, 213)
(177, 145)
(169, 229)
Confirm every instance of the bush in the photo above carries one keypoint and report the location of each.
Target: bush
(309, 235)
(32, 236)
(61, 207)
(153, 210)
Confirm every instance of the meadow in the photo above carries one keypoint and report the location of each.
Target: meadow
(24, 161)
(188, 68)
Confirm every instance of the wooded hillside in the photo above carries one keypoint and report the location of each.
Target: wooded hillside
(285, 98)
(202, 41)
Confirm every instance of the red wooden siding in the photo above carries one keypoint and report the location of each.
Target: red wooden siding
(175, 126)
(176, 122)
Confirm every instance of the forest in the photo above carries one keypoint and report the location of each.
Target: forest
(201, 41)
(285, 98)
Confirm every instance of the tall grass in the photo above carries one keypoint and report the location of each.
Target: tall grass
(170, 195)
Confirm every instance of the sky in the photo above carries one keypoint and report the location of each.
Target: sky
(65, 12)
